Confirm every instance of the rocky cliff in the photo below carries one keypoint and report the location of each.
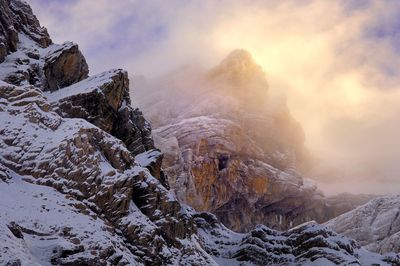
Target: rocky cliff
(79, 136)
(81, 184)
(17, 17)
(231, 147)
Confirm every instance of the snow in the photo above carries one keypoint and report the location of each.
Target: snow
(26, 43)
(18, 63)
(376, 224)
(48, 149)
(321, 262)
(48, 213)
(146, 158)
(369, 258)
(281, 246)
(84, 86)
(52, 52)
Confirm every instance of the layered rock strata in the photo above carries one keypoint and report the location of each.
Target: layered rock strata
(75, 192)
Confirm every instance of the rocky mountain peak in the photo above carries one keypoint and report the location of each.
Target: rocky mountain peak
(232, 151)
(238, 69)
(239, 57)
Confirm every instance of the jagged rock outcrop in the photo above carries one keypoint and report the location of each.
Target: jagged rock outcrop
(4, 174)
(215, 163)
(91, 166)
(38, 62)
(232, 148)
(64, 66)
(72, 193)
(376, 224)
(152, 161)
(104, 101)
(16, 16)
(95, 169)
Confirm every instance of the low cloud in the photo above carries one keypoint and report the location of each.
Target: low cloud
(336, 61)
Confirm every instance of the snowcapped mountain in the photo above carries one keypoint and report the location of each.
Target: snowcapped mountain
(81, 182)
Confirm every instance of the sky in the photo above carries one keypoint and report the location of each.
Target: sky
(336, 61)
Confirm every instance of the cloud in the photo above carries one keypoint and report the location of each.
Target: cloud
(337, 61)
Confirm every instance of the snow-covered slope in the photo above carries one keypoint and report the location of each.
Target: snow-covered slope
(76, 152)
(93, 167)
(375, 225)
(40, 226)
(80, 182)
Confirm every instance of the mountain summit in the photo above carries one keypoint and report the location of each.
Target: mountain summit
(231, 149)
(239, 69)
(240, 76)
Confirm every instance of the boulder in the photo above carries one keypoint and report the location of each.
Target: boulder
(64, 65)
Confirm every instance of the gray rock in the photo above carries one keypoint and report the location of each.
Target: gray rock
(233, 149)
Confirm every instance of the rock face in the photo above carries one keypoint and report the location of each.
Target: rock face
(18, 24)
(232, 148)
(17, 17)
(214, 162)
(152, 160)
(75, 192)
(104, 101)
(142, 222)
(64, 66)
(376, 225)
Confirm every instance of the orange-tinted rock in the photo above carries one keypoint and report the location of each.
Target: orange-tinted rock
(233, 149)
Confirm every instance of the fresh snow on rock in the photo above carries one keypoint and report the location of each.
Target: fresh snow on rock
(50, 223)
(84, 86)
(376, 224)
(81, 182)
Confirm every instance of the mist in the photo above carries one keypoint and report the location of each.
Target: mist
(336, 62)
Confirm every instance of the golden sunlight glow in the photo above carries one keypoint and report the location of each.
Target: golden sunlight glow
(302, 55)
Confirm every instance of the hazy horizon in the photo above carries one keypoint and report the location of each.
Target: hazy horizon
(336, 62)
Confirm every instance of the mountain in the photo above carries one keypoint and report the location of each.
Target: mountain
(232, 147)
(81, 182)
(375, 225)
